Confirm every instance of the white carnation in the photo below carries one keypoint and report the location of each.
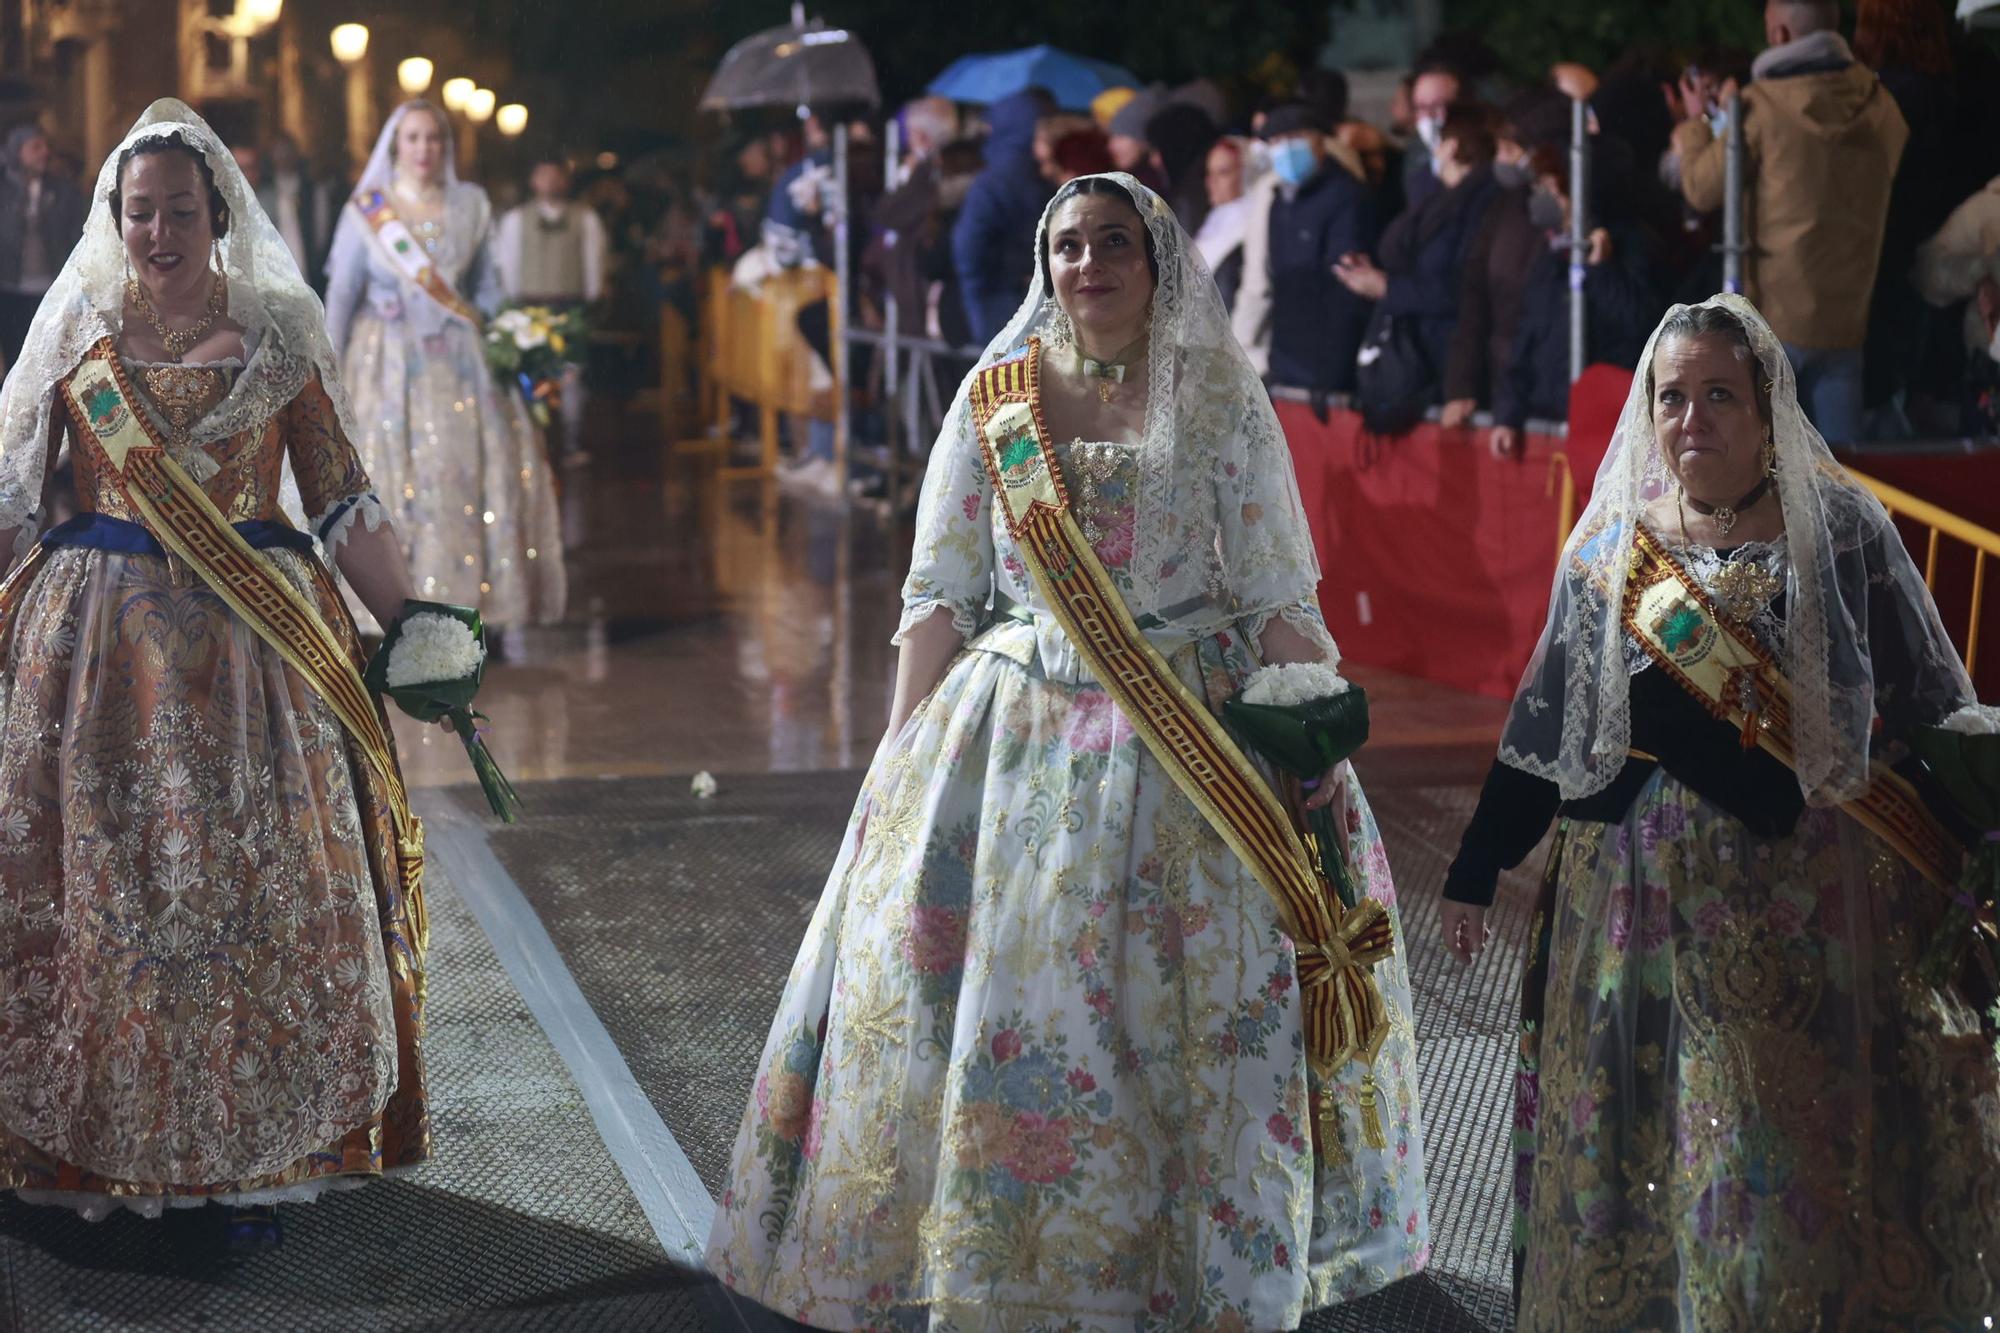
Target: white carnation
(433, 648)
(1293, 683)
(530, 338)
(1974, 720)
(704, 785)
(512, 321)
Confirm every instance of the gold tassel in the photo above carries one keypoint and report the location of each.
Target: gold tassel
(1331, 1151)
(1371, 1120)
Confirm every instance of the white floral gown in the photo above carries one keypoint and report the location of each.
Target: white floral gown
(1040, 1062)
(457, 460)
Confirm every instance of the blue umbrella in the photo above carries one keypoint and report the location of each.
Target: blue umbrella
(1073, 79)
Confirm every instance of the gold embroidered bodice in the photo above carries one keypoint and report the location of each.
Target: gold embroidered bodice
(242, 473)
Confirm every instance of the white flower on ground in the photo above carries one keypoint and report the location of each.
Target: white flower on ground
(1974, 720)
(1293, 683)
(703, 785)
(433, 648)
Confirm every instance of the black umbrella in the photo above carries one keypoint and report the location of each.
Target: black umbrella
(800, 64)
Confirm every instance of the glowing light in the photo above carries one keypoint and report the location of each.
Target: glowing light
(350, 42)
(455, 91)
(479, 105)
(511, 119)
(263, 13)
(414, 74)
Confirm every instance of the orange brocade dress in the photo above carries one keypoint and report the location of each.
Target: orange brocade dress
(207, 987)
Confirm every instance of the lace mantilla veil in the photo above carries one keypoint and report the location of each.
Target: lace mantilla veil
(1571, 721)
(267, 296)
(1220, 534)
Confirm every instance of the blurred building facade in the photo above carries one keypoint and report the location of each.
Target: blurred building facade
(85, 69)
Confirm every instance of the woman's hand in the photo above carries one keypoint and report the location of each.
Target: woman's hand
(1357, 273)
(1465, 930)
(1505, 442)
(1329, 787)
(1457, 412)
(1600, 247)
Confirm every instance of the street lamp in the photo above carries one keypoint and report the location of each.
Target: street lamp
(263, 13)
(479, 105)
(455, 91)
(350, 48)
(511, 119)
(350, 43)
(414, 75)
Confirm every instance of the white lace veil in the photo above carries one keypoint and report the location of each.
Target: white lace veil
(380, 173)
(1220, 533)
(87, 301)
(1862, 636)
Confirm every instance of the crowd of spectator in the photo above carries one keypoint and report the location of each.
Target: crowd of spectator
(1423, 266)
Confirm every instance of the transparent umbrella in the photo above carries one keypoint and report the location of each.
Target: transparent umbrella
(801, 64)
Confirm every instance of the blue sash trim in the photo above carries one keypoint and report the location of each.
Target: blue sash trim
(102, 532)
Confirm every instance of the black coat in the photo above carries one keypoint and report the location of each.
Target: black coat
(1316, 323)
(1425, 253)
(1619, 313)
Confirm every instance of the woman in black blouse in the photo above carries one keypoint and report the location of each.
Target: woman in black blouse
(1737, 1107)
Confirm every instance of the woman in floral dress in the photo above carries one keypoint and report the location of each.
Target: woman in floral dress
(210, 972)
(1743, 1102)
(1040, 1063)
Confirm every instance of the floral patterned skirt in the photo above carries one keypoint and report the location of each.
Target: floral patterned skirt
(205, 987)
(1738, 1109)
(462, 469)
(1040, 1061)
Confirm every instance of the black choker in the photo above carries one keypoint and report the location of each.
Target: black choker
(1725, 516)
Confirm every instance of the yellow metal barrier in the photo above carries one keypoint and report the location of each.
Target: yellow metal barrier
(1942, 523)
(751, 350)
(1561, 485)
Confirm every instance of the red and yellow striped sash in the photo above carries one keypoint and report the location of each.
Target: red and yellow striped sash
(1344, 1014)
(1738, 681)
(186, 522)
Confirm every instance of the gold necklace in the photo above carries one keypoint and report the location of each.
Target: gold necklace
(177, 343)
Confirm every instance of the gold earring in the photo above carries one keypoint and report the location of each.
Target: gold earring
(1060, 333)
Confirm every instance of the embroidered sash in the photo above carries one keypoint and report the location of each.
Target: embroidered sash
(1675, 620)
(1344, 1014)
(408, 256)
(186, 522)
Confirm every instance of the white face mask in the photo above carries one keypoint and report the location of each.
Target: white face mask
(1256, 159)
(1431, 130)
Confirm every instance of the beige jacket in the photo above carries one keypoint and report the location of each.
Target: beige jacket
(1966, 249)
(1820, 152)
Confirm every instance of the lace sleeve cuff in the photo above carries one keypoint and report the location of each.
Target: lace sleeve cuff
(965, 615)
(1305, 619)
(332, 527)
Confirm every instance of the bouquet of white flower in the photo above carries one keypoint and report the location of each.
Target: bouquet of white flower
(529, 346)
(1305, 718)
(430, 665)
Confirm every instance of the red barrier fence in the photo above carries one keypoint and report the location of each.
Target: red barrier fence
(1438, 558)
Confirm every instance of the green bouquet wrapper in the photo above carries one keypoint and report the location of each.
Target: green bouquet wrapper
(1305, 740)
(1967, 766)
(451, 699)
